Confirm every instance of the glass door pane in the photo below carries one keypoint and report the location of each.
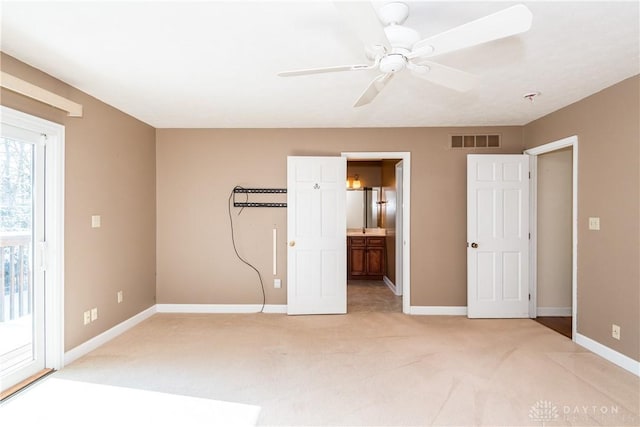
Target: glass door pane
(21, 215)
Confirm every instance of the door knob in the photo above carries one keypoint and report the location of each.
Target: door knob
(292, 243)
(474, 245)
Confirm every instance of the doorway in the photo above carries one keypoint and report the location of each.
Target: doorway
(554, 201)
(396, 283)
(31, 169)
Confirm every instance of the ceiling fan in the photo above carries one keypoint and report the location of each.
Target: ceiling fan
(393, 47)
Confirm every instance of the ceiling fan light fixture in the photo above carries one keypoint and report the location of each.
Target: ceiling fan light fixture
(393, 63)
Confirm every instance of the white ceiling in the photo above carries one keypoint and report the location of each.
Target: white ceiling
(214, 64)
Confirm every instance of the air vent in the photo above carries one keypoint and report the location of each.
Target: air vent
(475, 141)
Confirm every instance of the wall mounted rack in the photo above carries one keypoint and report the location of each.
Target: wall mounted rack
(247, 204)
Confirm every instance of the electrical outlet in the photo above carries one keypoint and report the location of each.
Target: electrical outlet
(94, 314)
(87, 317)
(120, 297)
(95, 221)
(594, 223)
(615, 331)
(277, 283)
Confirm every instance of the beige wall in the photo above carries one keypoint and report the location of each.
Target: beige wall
(369, 172)
(197, 168)
(608, 128)
(109, 171)
(554, 231)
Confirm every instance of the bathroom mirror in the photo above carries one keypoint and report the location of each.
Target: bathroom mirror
(363, 208)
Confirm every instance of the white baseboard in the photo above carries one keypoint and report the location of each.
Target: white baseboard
(611, 355)
(438, 310)
(275, 308)
(391, 285)
(108, 335)
(554, 311)
(220, 308)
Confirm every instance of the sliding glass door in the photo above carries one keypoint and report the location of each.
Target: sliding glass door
(22, 195)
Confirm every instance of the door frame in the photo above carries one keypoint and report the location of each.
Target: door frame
(399, 279)
(405, 156)
(53, 250)
(571, 141)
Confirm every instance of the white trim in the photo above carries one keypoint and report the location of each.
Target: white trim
(54, 202)
(220, 308)
(95, 342)
(609, 354)
(399, 238)
(405, 156)
(554, 311)
(571, 141)
(435, 310)
(533, 236)
(553, 146)
(391, 285)
(32, 91)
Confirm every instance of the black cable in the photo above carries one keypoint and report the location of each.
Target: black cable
(233, 240)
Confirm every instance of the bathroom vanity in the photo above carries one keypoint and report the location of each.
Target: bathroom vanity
(366, 254)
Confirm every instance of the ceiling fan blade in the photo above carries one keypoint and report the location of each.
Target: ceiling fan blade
(364, 21)
(444, 76)
(508, 22)
(304, 72)
(374, 88)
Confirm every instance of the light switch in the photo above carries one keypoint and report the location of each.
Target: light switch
(95, 221)
(594, 223)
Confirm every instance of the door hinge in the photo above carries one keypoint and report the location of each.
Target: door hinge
(529, 297)
(529, 175)
(529, 236)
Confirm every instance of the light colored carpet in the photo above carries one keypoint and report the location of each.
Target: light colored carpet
(370, 368)
(60, 402)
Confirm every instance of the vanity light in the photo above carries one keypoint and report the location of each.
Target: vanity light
(356, 182)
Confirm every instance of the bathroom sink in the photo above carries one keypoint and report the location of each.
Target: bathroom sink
(367, 232)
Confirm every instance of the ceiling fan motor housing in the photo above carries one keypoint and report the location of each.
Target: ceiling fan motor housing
(402, 40)
(393, 13)
(401, 37)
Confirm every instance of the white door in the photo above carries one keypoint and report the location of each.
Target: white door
(22, 172)
(317, 235)
(497, 236)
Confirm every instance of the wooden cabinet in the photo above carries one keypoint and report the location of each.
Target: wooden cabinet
(366, 257)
